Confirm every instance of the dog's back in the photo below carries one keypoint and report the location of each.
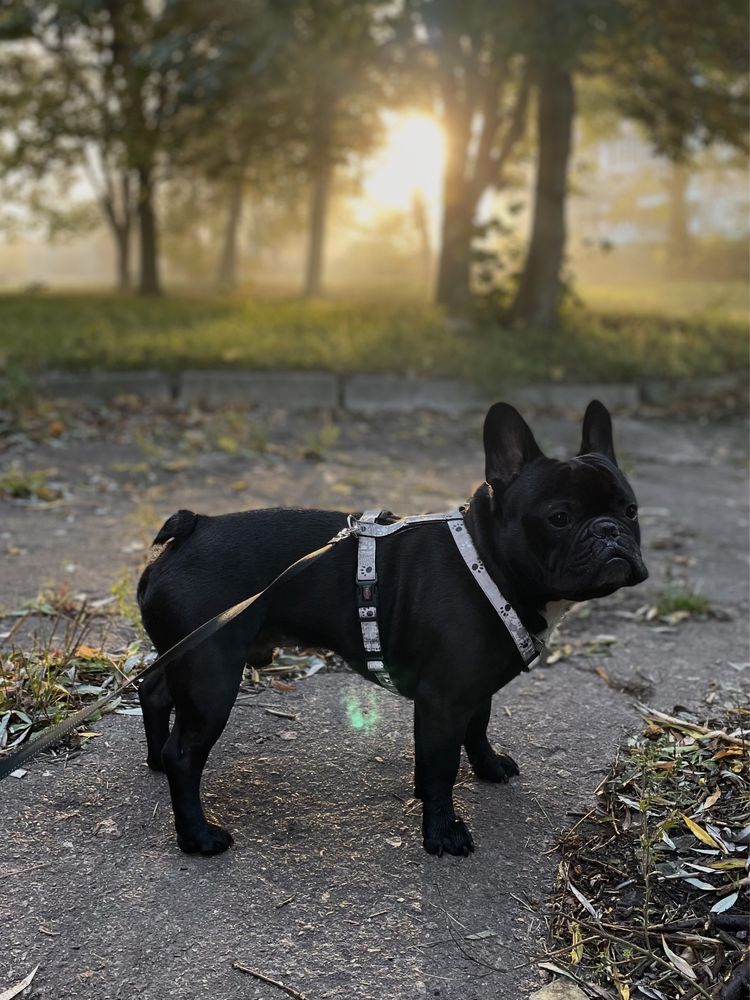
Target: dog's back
(210, 563)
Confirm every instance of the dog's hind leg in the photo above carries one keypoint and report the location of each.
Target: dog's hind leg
(156, 704)
(204, 685)
(486, 762)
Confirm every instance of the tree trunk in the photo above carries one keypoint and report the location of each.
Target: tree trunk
(422, 225)
(149, 283)
(538, 294)
(122, 248)
(454, 266)
(321, 184)
(454, 269)
(226, 278)
(679, 225)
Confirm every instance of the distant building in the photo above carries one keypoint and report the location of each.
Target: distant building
(622, 193)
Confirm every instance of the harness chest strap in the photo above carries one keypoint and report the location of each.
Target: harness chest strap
(368, 531)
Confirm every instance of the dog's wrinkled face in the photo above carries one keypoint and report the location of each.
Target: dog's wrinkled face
(568, 529)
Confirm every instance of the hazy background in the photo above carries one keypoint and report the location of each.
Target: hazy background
(334, 147)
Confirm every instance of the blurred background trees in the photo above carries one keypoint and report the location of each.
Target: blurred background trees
(227, 140)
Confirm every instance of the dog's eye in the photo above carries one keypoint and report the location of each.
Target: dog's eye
(560, 519)
(631, 511)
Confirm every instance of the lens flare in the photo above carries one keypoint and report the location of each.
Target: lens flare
(362, 714)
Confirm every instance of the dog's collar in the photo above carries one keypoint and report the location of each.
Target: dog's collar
(368, 531)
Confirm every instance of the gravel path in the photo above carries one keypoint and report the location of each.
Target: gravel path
(327, 889)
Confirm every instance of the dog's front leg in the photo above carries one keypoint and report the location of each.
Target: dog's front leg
(438, 734)
(488, 764)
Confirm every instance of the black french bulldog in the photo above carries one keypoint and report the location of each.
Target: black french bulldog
(548, 532)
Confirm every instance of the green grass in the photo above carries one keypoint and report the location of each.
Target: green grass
(687, 602)
(21, 484)
(674, 299)
(88, 331)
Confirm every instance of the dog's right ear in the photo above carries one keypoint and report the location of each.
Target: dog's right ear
(508, 445)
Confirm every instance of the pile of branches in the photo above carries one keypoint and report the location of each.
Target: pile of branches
(652, 892)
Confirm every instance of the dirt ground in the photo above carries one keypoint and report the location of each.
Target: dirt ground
(327, 889)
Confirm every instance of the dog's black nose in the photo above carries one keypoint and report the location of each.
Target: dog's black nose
(606, 529)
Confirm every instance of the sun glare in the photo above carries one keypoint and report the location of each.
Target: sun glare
(409, 164)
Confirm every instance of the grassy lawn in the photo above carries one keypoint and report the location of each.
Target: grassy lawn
(612, 339)
(676, 299)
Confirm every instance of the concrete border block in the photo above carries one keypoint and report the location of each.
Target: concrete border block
(405, 394)
(662, 392)
(573, 396)
(284, 390)
(371, 393)
(100, 387)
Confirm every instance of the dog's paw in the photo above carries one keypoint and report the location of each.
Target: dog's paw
(155, 763)
(449, 837)
(211, 839)
(498, 767)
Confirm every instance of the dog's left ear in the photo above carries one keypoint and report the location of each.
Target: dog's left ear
(597, 431)
(508, 444)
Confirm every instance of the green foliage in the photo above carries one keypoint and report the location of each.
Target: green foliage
(86, 331)
(687, 602)
(316, 443)
(56, 672)
(708, 302)
(681, 70)
(27, 484)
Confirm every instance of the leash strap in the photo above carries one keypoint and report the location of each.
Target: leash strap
(54, 734)
(368, 530)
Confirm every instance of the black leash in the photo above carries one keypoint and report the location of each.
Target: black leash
(54, 734)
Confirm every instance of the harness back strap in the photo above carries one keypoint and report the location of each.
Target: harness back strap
(367, 599)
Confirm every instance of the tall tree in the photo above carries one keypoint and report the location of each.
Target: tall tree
(113, 87)
(335, 62)
(539, 287)
(679, 69)
(559, 34)
(58, 115)
(480, 81)
(687, 86)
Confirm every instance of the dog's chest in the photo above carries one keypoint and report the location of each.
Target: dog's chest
(553, 613)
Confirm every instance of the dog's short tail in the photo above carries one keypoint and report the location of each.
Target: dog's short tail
(178, 526)
(175, 529)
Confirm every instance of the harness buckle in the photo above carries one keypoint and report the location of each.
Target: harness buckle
(353, 528)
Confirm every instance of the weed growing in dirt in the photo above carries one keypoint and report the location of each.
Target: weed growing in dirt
(58, 667)
(27, 484)
(688, 603)
(315, 444)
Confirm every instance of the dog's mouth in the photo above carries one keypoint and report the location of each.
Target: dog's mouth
(623, 569)
(620, 568)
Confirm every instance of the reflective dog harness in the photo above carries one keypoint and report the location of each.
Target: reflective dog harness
(367, 530)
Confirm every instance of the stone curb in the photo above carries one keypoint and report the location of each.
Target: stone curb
(368, 393)
(95, 387)
(288, 390)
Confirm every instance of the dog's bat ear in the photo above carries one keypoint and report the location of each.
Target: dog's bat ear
(508, 444)
(597, 431)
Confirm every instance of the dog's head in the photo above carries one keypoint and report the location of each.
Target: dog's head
(569, 529)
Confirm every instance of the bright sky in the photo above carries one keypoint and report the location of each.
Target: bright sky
(410, 161)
